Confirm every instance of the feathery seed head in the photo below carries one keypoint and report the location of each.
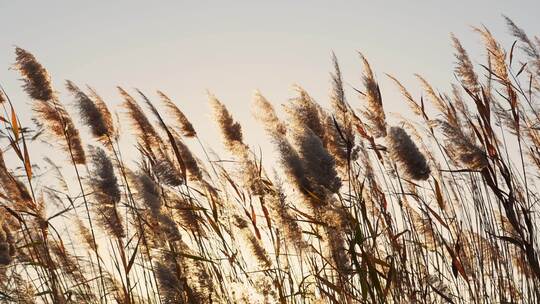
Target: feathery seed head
(464, 68)
(267, 115)
(184, 124)
(106, 192)
(92, 114)
(230, 129)
(404, 151)
(37, 81)
(374, 111)
(461, 148)
(319, 165)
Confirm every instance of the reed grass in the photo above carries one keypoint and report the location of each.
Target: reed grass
(438, 208)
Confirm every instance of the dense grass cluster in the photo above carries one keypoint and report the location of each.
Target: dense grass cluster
(441, 208)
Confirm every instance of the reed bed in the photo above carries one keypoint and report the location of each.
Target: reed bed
(439, 208)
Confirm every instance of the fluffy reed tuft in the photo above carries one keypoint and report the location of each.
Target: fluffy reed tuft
(37, 81)
(185, 126)
(146, 133)
(230, 129)
(93, 112)
(404, 151)
(495, 53)
(60, 125)
(254, 244)
(171, 285)
(305, 113)
(520, 34)
(106, 193)
(266, 113)
(319, 165)
(285, 218)
(85, 235)
(190, 161)
(464, 68)
(15, 190)
(104, 110)
(148, 192)
(292, 165)
(435, 98)
(340, 138)
(374, 111)
(461, 148)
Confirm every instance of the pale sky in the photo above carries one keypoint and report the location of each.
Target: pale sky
(234, 47)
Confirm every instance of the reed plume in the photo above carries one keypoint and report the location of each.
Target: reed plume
(230, 129)
(198, 277)
(167, 172)
(170, 279)
(529, 47)
(464, 68)
(148, 192)
(461, 148)
(190, 161)
(85, 235)
(335, 234)
(292, 165)
(338, 93)
(404, 151)
(305, 113)
(319, 165)
(266, 113)
(15, 190)
(254, 244)
(60, 125)
(285, 218)
(232, 136)
(162, 225)
(436, 99)
(495, 53)
(37, 81)
(186, 212)
(459, 102)
(94, 113)
(146, 133)
(413, 105)
(424, 227)
(185, 126)
(340, 138)
(106, 193)
(374, 111)
(104, 110)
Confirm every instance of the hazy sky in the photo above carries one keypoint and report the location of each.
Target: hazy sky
(234, 47)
